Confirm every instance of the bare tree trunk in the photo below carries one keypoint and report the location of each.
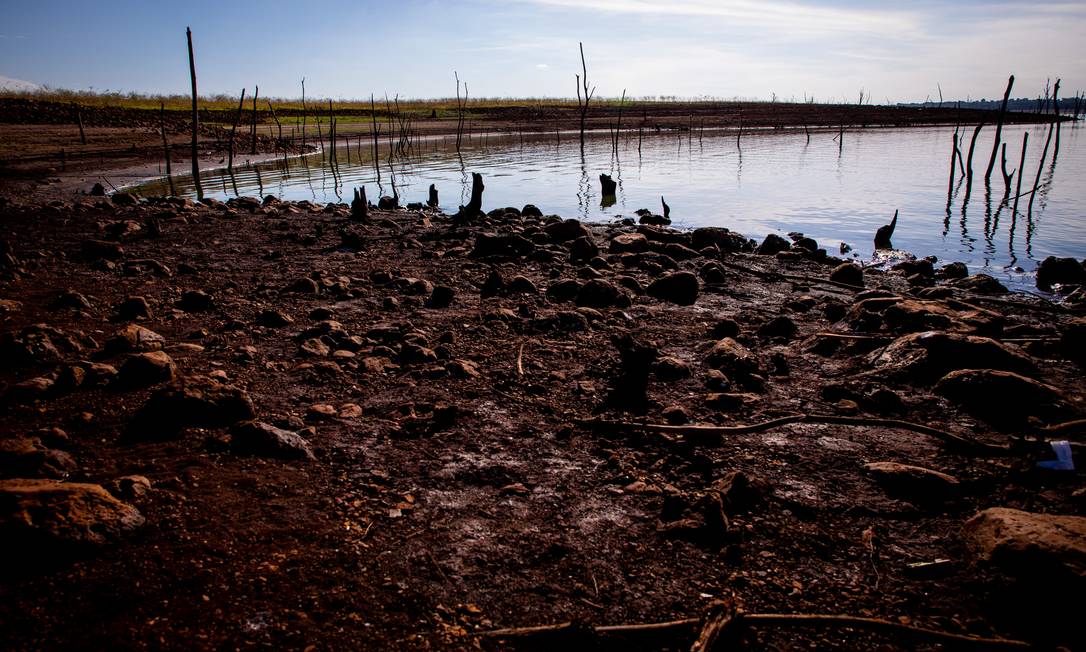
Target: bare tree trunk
(376, 162)
(277, 123)
(233, 133)
(303, 112)
(252, 130)
(195, 118)
(1021, 170)
(79, 121)
(1006, 176)
(165, 145)
(969, 159)
(1056, 110)
(999, 130)
(583, 106)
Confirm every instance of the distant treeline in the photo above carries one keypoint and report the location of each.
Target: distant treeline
(1023, 104)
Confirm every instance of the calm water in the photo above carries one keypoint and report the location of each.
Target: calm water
(776, 182)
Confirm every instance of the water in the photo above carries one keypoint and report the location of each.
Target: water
(776, 182)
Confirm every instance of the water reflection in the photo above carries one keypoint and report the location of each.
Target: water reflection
(756, 183)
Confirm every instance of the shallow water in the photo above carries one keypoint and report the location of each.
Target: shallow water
(775, 182)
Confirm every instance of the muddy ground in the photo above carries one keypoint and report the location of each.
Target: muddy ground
(434, 455)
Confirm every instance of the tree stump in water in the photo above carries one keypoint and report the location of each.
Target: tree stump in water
(667, 209)
(358, 205)
(630, 389)
(475, 206)
(883, 235)
(608, 185)
(432, 200)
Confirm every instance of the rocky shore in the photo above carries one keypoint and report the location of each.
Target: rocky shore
(263, 422)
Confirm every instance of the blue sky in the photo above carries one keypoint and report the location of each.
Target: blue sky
(896, 51)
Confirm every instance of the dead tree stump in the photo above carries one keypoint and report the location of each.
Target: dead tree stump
(630, 390)
(432, 200)
(359, 205)
(608, 185)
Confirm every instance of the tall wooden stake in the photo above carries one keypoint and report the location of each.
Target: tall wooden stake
(1021, 170)
(233, 133)
(195, 118)
(252, 130)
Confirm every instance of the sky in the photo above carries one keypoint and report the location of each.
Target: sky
(791, 49)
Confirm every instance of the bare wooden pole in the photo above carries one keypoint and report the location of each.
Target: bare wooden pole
(999, 130)
(1007, 176)
(276, 118)
(79, 121)
(303, 112)
(969, 159)
(1056, 110)
(376, 162)
(233, 132)
(252, 130)
(195, 118)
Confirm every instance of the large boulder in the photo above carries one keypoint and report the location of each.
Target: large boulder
(723, 239)
(40, 515)
(929, 356)
(194, 402)
(27, 457)
(1059, 271)
(567, 230)
(1003, 398)
(1030, 546)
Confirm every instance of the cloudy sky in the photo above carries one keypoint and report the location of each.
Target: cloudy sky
(897, 51)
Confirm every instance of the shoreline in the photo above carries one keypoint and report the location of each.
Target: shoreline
(435, 452)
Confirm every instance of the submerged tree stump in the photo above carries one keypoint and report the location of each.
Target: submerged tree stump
(358, 205)
(608, 185)
(432, 200)
(883, 235)
(475, 205)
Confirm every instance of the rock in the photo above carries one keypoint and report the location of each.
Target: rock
(462, 369)
(508, 245)
(38, 517)
(629, 243)
(530, 210)
(669, 368)
(416, 286)
(729, 401)
(29, 391)
(723, 239)
(780, 326)
(272, 318)
(415, 354)
(304, 285)
(131, 309)
(129, 487)
(27, 457)
(196, 301)
(124, 199)
(740, 492)
(97, 374)
(930, 355)
(731, 357)
(1059, 271)
(265, 440)
(567, 230)
(676, 415)
(441, 297)
(772, 245)
(133, 338)
(1073, 341)
(521, 285)
(848, 274)
(564, 290)
(913, 483)
(1003, 398)
(321, 412)
(349, 411)
(582, 249)
(314, 347)
(97, 190)
(678, 287)
(810, 245)
(146, 369)
(196, 402)
(70, 300)
(101, 250)
(601, 294)
(725, 328)
(981, 284)
(953, 271)
(1044, 547)
(698, 518)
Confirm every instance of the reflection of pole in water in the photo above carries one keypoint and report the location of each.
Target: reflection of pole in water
(464, 180)
(950, 193)
(584, 188)
(259, 181)
(987, 212)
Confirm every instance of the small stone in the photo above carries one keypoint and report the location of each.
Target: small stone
(567, 230)
(521, 285)
(463, 369)
(304, 285)
(130, 487)
(102, 250)
(601, 294)
(953, 271)
(782, 327)
(670, 368)
(349, 411)
(676, 415)
(442, 296)
(29, 391)
(314, 347)
(1003, 398)
(728, 401)
(321, 412)
(629, 243)
(1030, 546)
(772, 245)
(1060, 271)
(272, 318)
(198, 402)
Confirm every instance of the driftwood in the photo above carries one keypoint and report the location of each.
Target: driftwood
(686, 627)
(713, 433)
(195, 119)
